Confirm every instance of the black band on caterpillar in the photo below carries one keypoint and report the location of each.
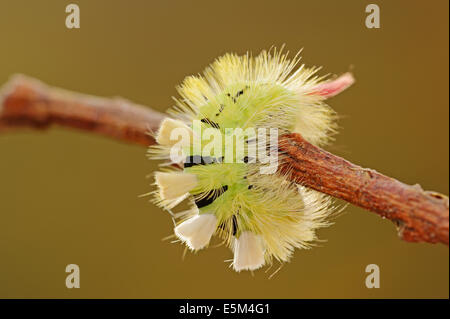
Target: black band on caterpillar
(235, 227)
(210, 197)
(193, 160)
(209, 122)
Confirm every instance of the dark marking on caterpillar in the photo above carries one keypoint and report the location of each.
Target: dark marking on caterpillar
(209, 122)
(222, 106)
(193, 160)
(209, 197)
(238, 94)
(247, 159)
(250, 186)
(235, 226)
(232, 97)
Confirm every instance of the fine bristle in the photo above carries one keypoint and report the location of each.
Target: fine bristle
(196, 232)
(163, 137)
(248, 252)
(174, 185)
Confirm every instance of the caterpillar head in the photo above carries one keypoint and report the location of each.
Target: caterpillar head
(219, 142)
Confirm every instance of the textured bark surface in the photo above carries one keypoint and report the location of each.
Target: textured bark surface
(420, 216)
(29, 102)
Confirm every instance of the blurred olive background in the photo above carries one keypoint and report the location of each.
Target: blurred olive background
(71, 197)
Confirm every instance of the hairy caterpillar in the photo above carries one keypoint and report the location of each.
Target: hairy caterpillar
(260, 216)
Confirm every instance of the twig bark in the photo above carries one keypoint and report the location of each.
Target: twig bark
(27, 102)
(420, 216)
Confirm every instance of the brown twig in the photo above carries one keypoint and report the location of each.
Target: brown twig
(420, 216)
(28, 102)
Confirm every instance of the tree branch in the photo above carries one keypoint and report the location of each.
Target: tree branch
(27, 102)
(420, 216)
